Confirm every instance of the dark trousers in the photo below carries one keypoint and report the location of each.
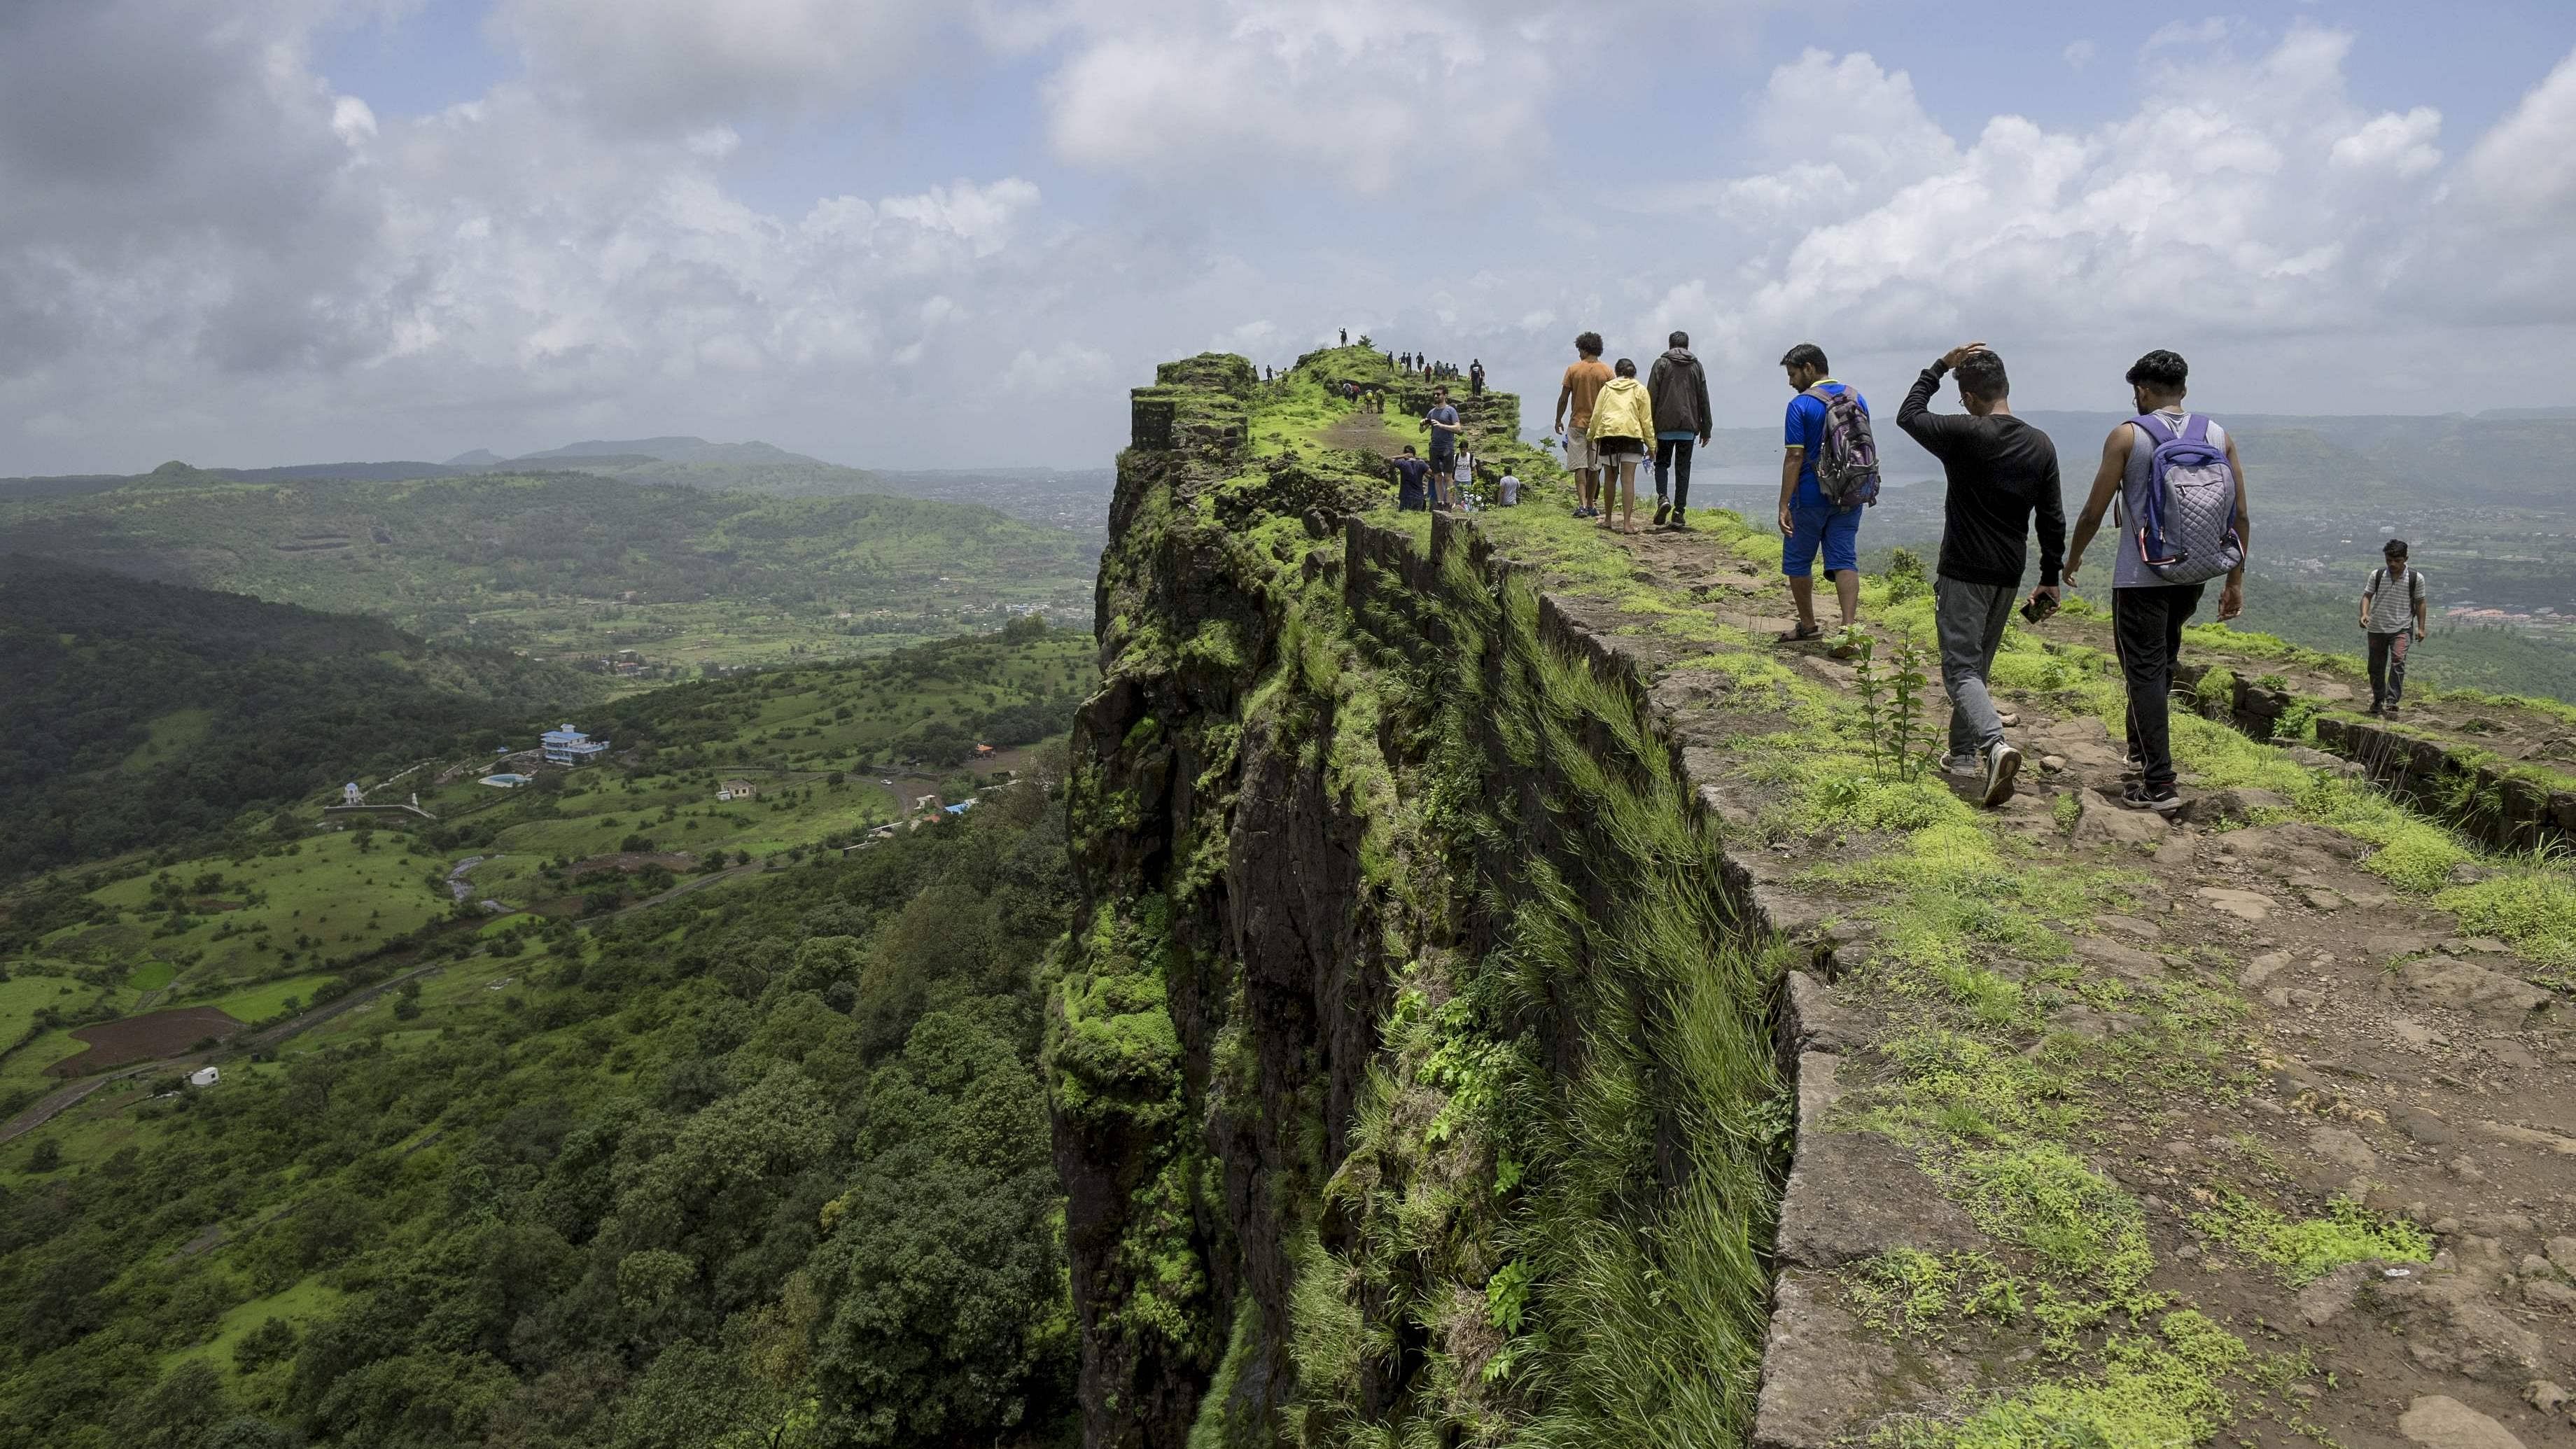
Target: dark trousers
(2146, 625)
(2388, 665)
(1672, 464)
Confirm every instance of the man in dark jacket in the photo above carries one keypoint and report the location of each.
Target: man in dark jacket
(1678, 390)
(2002, 476)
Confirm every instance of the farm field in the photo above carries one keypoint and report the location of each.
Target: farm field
(142, 1038)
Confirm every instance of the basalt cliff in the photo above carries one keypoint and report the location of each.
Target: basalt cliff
(1515, 1001)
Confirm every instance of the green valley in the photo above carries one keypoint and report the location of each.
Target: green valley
(143, 715)
(574, 565)
(710, 786)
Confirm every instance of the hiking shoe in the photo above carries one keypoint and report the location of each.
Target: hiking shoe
(1663, 511)
(1803, 633)
(1964, 767)
(2390, 712)
(2133, 769)
(1679, 521)
(2164, 799)
(2002, 763)
(2007, 718)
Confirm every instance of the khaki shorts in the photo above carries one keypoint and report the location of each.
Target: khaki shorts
(1578, 451)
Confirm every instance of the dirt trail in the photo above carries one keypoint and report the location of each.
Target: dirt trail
(2365, 1049)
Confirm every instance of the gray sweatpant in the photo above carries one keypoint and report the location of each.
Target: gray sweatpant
(1970, 619)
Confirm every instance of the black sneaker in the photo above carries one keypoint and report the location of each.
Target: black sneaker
(2002, 763)
(1680, 521)
(1663, 511)
(2162, 799)
(2133, 769)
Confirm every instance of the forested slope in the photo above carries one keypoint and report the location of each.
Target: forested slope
(149, 714)
(758, 1168)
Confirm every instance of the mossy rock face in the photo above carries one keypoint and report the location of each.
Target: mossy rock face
(1216, 371)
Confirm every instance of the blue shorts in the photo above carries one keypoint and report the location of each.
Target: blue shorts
(1835, 530)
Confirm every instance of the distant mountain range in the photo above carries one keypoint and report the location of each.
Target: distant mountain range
(680, 462)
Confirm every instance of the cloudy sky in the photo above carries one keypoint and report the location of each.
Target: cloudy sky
(244, 232)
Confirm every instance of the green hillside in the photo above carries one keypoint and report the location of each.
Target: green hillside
(149, 715)
(287, 908)
(567, 564)
(767, 1166)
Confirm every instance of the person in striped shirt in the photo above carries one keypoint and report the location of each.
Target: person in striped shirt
(2392, 614)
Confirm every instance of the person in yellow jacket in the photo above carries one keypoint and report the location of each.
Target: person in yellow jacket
(1623, 433)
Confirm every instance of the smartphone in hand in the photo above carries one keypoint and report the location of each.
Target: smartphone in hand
(2037, 607)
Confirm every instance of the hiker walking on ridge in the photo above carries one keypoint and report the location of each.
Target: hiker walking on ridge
(1442, 422)
(2183, 521)
(1678, 387)
(1412, 477)
(1346, 337)
(1475, 377)
(1828, 474)
(1583, 383)
(2392, 614)
(2002, 472)
(1623, 418)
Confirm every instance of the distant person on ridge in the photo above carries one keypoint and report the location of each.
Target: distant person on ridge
(1442, 421)
(1623, 419)
(2002, 472)
(1346, 337)
(1475, 377)
(1828, 473)
(1412, 476)
(1678, 387)
(1508, 487)
(2183, 521)
(2392, 614)
(1583, 383)
(1463, 476)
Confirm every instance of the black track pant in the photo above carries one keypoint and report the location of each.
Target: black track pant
(2146, 624)
(1672, 463)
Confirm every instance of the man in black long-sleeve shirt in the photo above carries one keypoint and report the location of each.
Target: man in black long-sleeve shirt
(2002, 471)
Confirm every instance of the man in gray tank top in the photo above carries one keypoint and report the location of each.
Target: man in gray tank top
(2147, 614)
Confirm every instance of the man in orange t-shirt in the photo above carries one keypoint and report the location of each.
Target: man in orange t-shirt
(1583, 383)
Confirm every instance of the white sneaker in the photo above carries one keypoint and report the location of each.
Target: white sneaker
(2003, 762)
(1966, 767)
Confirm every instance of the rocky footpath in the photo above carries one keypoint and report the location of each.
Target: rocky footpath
(1475, 901)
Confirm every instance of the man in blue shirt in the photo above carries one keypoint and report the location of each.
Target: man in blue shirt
(1442, 420)
(1410, 474)
(1808, 523)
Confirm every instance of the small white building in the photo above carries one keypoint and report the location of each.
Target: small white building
(207, 1076)
(350, 794)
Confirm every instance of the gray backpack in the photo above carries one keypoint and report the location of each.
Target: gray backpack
(2186, 532)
